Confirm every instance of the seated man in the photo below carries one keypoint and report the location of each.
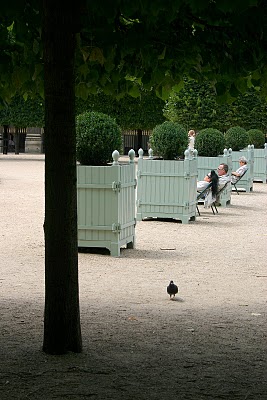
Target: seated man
(241, 170)
(211, 177)
(223, 175)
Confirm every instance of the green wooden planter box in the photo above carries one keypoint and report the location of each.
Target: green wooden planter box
(260, 164)
(206, 164)
(106, 205)
(166, 188)
(245, 183)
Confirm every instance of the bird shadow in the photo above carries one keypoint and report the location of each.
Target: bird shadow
(177, 299)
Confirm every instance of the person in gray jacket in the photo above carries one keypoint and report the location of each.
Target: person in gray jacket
(223, 175)
(243, 166)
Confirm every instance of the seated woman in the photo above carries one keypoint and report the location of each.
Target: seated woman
(241, 170)
(212, 178)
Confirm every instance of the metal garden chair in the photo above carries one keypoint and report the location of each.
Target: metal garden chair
(202, 196)
(237, 180)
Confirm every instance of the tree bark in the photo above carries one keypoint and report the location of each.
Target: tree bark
(5, 139)
(139, 139)
(62, 332)
(16, 140)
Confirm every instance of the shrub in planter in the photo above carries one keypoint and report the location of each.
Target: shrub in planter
(209, 142)
(256, 137)
(237, 138)
(169, 140)
(97, 136)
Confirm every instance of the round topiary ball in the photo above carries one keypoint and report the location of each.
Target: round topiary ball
(236, 138)
(210, 142)
(97, 136)
(169, 140)
(256, 137)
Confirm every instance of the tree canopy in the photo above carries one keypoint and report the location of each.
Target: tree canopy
(196, 107)
(153, 43)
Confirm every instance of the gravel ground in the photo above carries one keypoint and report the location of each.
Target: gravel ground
(210, 343)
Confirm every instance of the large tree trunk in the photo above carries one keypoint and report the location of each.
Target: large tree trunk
(62, 331)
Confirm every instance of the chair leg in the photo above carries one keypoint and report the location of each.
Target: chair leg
(212, 209)
(198, 211)
(235, 188)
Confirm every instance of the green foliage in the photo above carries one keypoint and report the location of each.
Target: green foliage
(237, 138)
(141, 42)
(250, 111)
(23, 113)
(209, 142)
(256, 137)
(196, 107)
(144, 112)
(169, 140)
(97, 136)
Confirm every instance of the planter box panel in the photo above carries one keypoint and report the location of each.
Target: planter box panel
(166, 189)
(126, 205)
(106, 206)
(260, 164)
(225, 196)
(100, 196)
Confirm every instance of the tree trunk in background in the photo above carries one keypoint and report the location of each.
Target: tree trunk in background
(16, 140)
(5, 139)
(62, 331)
(139, 139)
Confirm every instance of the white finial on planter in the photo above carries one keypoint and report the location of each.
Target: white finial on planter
(131, 154)
(186, 154)
(230, 150)
(141, 153)
(195, 153)
(115, 156)
(150, 152)
(225, 152)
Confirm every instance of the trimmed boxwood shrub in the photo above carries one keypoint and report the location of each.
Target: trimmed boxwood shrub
(237, 138)
(209, 142)
(256, 137)
(97, 136)
(169, 140)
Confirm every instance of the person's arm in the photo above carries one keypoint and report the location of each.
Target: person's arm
(235, 173)
(239, 172)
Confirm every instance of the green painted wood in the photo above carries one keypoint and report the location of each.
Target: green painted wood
(260, 164)
(246, 182)
(166, 188)
(206, 164)
(106, 206)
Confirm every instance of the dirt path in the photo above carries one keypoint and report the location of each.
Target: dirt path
(208, 344)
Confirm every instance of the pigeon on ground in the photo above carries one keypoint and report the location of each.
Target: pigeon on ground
(172, 289)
